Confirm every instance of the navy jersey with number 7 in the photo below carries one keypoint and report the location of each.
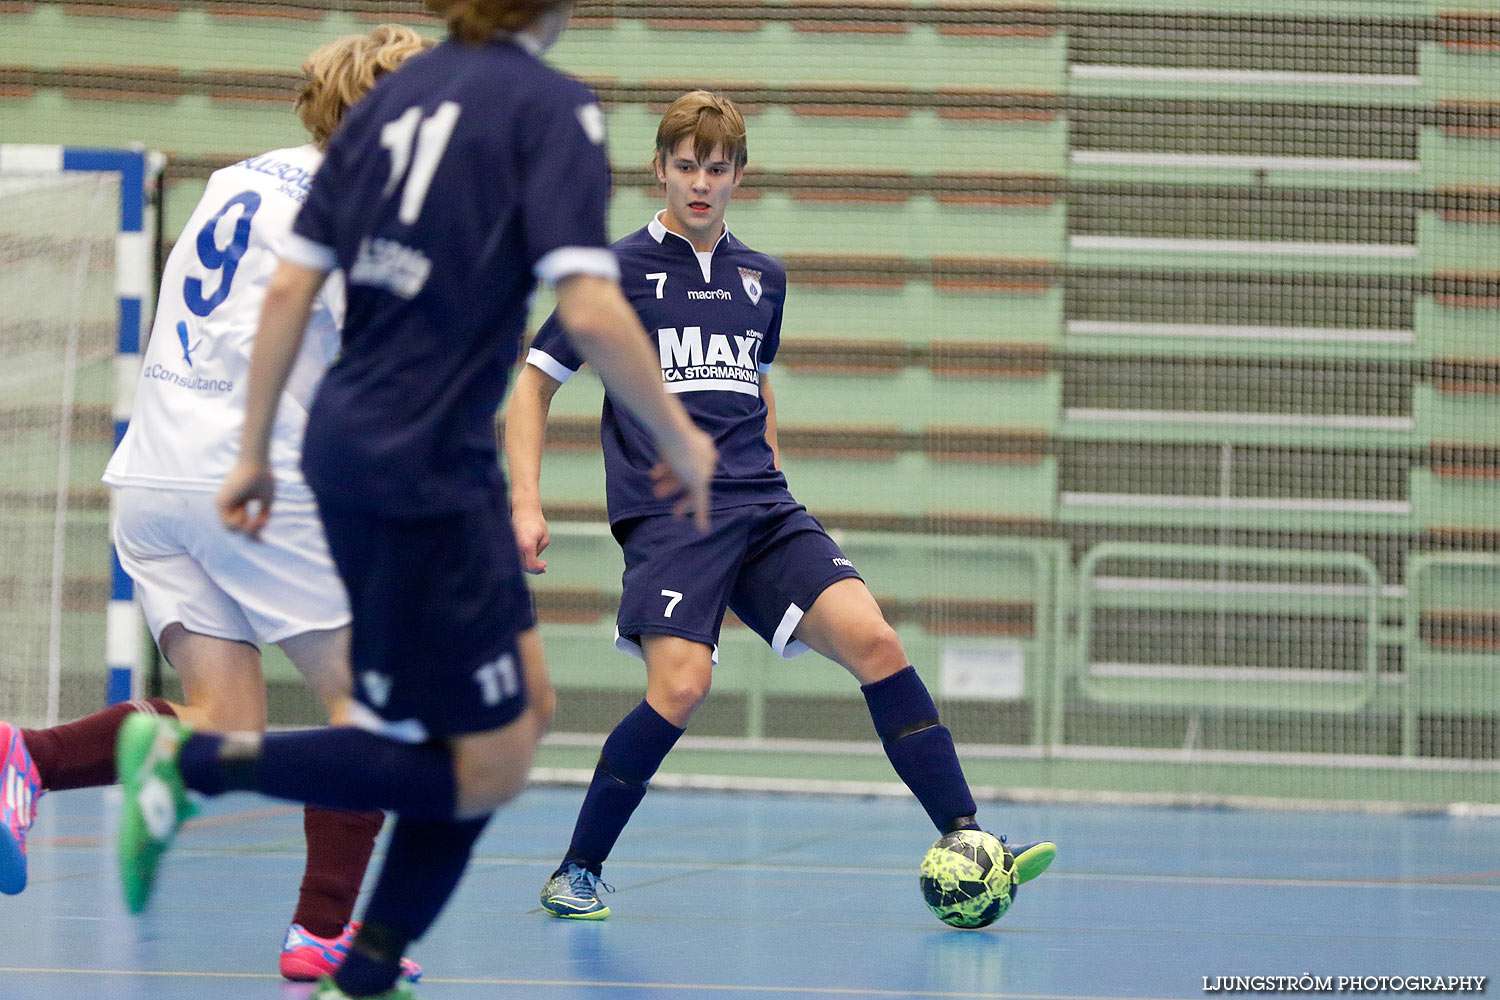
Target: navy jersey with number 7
(715, 318)
(455, 185)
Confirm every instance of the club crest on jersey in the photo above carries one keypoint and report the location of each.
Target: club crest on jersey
(751, 280)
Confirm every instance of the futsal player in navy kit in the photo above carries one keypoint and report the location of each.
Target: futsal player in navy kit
(712, 307)
(447, 194)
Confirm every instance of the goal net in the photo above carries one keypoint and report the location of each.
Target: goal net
(72, 271)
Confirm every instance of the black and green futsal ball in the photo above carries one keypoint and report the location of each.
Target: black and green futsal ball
(966, 878)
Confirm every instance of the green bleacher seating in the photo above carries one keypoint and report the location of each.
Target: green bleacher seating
(1451, 637)
(1211, 272)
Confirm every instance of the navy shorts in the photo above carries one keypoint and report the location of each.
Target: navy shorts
(768, 562)
(437, 605)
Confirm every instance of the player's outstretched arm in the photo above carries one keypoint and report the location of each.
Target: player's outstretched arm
(245, 498)
(525, 434)
(609, 335)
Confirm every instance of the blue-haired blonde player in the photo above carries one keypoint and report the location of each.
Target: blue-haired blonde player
(712, 307)
(448, 193)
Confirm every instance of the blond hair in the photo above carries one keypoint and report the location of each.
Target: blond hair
(711, 120)
(342, 71)
(477, 21)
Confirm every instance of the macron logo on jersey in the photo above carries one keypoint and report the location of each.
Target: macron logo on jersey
(724, 363)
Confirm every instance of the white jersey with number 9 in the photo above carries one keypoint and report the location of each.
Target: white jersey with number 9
(190, 401)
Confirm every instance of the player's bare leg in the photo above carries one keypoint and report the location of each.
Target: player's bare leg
(678, 674)
(322, 658)
(845, 624)
(222, 683)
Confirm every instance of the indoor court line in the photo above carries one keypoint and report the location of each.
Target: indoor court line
(1480, 881)
(832, 991)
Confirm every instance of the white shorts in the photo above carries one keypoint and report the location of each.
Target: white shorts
(189, 568)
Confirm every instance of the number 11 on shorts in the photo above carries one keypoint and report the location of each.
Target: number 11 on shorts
(498, 680)
(672, 597)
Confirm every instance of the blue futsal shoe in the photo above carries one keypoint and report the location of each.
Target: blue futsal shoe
(573, 893)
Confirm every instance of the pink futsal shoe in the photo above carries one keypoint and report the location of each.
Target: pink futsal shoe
(23, 786)
(306, 957)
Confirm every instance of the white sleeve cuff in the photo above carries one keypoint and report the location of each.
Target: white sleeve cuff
(549, 365)
(303, 251)
(566, 261)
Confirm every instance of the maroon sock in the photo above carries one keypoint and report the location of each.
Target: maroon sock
(339, 845)
(81, 754)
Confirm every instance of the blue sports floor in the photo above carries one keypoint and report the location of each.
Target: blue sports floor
(738, 897)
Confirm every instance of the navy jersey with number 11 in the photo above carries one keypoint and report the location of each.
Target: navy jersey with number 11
(715, 322)
(449, 190)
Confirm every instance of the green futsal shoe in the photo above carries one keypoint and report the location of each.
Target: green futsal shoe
(1031, 861)
(156, 802)
(327, 989)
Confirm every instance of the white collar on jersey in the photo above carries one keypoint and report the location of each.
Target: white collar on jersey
(660, 232)
(525, 40)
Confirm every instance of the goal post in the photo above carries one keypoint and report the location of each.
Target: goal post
(78, 243)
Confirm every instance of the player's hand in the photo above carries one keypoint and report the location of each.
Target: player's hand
(686, 474)
(531, 538)
(244, 500)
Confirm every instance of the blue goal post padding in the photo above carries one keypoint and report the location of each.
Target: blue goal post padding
(139, 171)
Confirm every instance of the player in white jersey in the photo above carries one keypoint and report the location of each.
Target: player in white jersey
(211, 597)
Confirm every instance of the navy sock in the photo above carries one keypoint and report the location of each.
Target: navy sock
(339, 768)
(373, 963)
(423, 864)
(631, 755)
(920, 748)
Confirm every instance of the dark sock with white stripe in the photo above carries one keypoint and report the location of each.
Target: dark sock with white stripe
(920, 748)
(630, 757)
